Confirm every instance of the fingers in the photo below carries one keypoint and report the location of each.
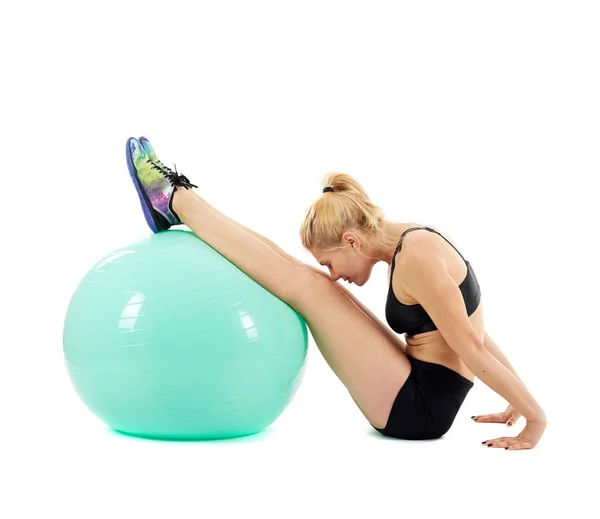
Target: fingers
(489, 418)
(512, 419)
(515, 446)
(497, 418)
(508, 443)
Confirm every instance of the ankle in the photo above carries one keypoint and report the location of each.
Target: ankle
(180, 200)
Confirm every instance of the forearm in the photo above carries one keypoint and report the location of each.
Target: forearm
(493, 348)
(499, 378)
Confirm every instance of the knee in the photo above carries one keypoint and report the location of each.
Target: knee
(307, 286)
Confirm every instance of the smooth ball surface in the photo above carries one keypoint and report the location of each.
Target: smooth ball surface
(168, 339)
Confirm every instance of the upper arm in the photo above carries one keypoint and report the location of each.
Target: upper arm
(430, 283)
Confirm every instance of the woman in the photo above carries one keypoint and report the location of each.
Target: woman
(409, 390)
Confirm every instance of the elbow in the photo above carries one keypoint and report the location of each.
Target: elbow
(477, 359)
(479, 347)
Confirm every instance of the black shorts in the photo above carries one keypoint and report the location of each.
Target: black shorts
(427, 403)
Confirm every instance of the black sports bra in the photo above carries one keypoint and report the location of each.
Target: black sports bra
(413, 319)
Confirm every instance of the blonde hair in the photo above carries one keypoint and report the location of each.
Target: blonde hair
(348, 206)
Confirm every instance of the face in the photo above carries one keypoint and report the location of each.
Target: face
(351, 263)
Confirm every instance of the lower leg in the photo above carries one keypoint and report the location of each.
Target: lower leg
(251, 255)
(262, 238)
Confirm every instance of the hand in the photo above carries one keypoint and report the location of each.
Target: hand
(509, 417)
(526, 439)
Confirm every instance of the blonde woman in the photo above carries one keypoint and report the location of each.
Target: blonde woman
(409, 390)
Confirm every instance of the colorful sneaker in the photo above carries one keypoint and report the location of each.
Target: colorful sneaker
(149, 151)
(155, 185)
(151, 155)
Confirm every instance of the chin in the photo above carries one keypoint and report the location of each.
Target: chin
(363, 279)
(358, 282)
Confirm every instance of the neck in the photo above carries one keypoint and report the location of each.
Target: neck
(394, 230)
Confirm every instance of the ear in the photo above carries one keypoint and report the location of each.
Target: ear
(352, 239)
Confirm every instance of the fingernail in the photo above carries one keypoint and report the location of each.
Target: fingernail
(473, 416)
(509, 423)
(483, 442)
(505, 448)
(476, 419)
(490, 444)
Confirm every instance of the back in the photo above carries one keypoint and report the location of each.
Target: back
(413, 320)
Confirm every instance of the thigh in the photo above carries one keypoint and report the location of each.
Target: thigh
(367, 362)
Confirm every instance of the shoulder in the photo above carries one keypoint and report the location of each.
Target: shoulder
(417, 246)
(419, 257)
(423, 266)
(424, 259)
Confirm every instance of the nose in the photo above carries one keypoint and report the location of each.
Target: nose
(335, 276)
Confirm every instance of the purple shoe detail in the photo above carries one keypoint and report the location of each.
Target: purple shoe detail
(155, 184)
(135, 155)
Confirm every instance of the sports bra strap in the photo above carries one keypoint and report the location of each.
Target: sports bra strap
(399, 246)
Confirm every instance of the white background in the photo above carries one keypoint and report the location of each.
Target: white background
(479, 118)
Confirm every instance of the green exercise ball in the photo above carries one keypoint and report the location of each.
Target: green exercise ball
(165, 338)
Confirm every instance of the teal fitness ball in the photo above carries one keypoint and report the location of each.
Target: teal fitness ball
(166, 338)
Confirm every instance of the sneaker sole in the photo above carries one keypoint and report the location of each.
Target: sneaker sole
(149, 212)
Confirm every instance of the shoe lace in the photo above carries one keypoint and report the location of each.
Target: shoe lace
(174, 177)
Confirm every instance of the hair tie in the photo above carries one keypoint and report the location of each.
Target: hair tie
(327, 189)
